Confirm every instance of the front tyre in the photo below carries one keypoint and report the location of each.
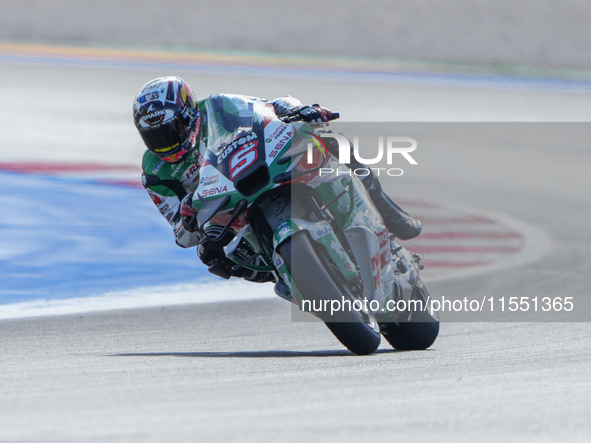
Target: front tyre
(317, 279)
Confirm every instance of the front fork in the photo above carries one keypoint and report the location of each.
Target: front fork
(323, 234)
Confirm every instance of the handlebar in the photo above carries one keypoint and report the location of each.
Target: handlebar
(297, 117)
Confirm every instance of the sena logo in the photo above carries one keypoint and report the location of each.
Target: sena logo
(279, 146)
(214, 191)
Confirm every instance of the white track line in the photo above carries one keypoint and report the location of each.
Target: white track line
(174, 295)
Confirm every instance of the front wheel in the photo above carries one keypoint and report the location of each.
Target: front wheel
(313, 273)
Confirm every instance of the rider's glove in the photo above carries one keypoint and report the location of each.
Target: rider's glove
(315, 114)
(188, 213)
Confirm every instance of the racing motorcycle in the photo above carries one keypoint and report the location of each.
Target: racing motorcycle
(304, 218)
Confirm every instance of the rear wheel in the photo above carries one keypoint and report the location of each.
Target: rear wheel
(314, 274)
(418, 331)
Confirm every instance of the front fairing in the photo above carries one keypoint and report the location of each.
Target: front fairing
(240, 141)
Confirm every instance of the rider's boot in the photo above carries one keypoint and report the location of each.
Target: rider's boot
(395, 218)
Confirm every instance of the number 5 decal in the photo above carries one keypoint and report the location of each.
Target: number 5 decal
(242, 160)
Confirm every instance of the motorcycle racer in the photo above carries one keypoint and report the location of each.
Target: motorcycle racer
(172, 123)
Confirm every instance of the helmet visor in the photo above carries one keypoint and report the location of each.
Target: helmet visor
(166, 139)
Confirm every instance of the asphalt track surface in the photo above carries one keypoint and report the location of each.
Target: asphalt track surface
(242, 371)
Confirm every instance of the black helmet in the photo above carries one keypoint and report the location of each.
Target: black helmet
(166, 115)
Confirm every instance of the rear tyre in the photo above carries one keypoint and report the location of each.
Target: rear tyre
(315, 276)
(418, 331)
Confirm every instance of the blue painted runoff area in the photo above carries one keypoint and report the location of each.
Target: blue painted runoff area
(63, 237)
